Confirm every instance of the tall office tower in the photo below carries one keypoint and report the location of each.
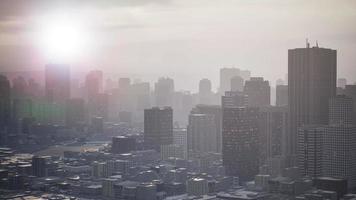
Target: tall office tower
(39, 165)
(273, 132)
(180, 139)
(225, 78)
(75, 112)
(341, 82)
(310, 150)
(234, 99)
(158, 127)
(282, 95)
(57, 83)
(164, 92)
(19, 88)
(245, 74)
(237, 83)
(214, 110)
(205, 93)
(94, 83)
(141, 95)
(202, 133)
(350, 91)
(311, 82)
(258, 91)
(240, 142)
(340, 110)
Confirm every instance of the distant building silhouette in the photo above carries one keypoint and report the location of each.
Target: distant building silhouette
(281, 95)
(234, 99)
(57, 83)
(226, 74)
(205, 93)
(164, 92)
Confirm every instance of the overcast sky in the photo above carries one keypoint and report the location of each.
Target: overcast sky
(184, 39)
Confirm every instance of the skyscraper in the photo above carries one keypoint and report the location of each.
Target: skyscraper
(205, 93)
(281, 95)
(340, 110)
(214, 110)
(164, 92)
(240, 142)
(350, 91)
(225, 78)
(258, 91)
(57, 83)
(94, 83)
(202, 133)
(273, 131)
(158, 127)
(311, 82)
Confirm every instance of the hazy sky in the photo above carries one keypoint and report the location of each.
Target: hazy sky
(184, 39)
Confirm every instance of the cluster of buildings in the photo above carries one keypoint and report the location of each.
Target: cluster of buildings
(229, 144)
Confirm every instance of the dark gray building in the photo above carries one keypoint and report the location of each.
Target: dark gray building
(158, 127)
(258, 91)
(240, 142)
(311, 83)
(281, 95)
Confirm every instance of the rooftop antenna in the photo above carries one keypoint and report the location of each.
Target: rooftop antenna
(307, 42)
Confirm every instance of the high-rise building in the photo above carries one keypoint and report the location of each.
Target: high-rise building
(234, 99)
(281, 95)
(202, 133)
(226, 74)
(350, 91)
(338, 152)
(273, 132)
(158, 127)
(39, 165)
(237, 83)
(57, 83)
(240, 142)
(311, 82)
(93, 83)
(258, 92)
(340, 110)
(19, 88)
(214, 110)
(205, 93)
(309, 153)
(164, 92)
(180, 139)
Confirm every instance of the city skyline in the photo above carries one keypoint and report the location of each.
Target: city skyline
(165, 37)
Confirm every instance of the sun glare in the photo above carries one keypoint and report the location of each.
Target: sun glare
(63, 39)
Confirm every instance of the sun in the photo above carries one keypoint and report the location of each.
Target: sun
(63, 39)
